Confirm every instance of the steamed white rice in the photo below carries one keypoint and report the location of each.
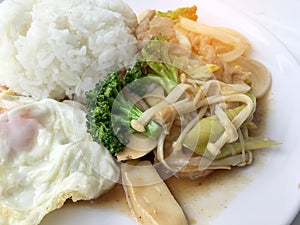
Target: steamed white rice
(61, 48)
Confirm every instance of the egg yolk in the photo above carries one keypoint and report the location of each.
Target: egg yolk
(19, 132)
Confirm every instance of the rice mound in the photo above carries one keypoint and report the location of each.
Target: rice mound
(58, 49)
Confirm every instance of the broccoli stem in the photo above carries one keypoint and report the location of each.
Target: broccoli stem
(125, 111)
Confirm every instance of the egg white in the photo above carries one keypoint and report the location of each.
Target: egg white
(46, 157)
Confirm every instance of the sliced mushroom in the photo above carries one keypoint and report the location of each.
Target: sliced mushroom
(148, 197)
(165, 115)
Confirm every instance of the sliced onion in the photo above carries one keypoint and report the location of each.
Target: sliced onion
(260, 76)
(225, 35)
(200, 28)
(234, 33)
(129, 154)
(240, 48)
(139, 142)
(230, 89)
(155, 96)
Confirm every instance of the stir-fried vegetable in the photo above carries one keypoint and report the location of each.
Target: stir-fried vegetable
(205, 99)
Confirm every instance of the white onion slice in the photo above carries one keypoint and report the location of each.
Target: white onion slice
(260, 76)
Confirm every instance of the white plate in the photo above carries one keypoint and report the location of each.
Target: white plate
(267, 192)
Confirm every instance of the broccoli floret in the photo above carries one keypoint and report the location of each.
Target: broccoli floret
(187, 12)
(139, 70)
(109, 115)
(98, 103)
(154, 63)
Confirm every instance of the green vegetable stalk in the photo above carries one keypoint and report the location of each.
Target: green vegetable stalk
(252, 143)
(209, 129)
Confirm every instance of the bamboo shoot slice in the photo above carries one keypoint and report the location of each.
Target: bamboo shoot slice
(148, 197)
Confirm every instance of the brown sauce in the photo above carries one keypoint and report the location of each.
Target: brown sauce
(113, 200)
(202, 199)
(260, 115)
(205, 198)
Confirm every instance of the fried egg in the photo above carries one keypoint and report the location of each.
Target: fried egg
(47, 157)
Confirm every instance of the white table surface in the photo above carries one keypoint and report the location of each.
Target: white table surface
(280, 17)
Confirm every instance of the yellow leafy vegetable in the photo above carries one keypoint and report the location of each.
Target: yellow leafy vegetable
(187, 12)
